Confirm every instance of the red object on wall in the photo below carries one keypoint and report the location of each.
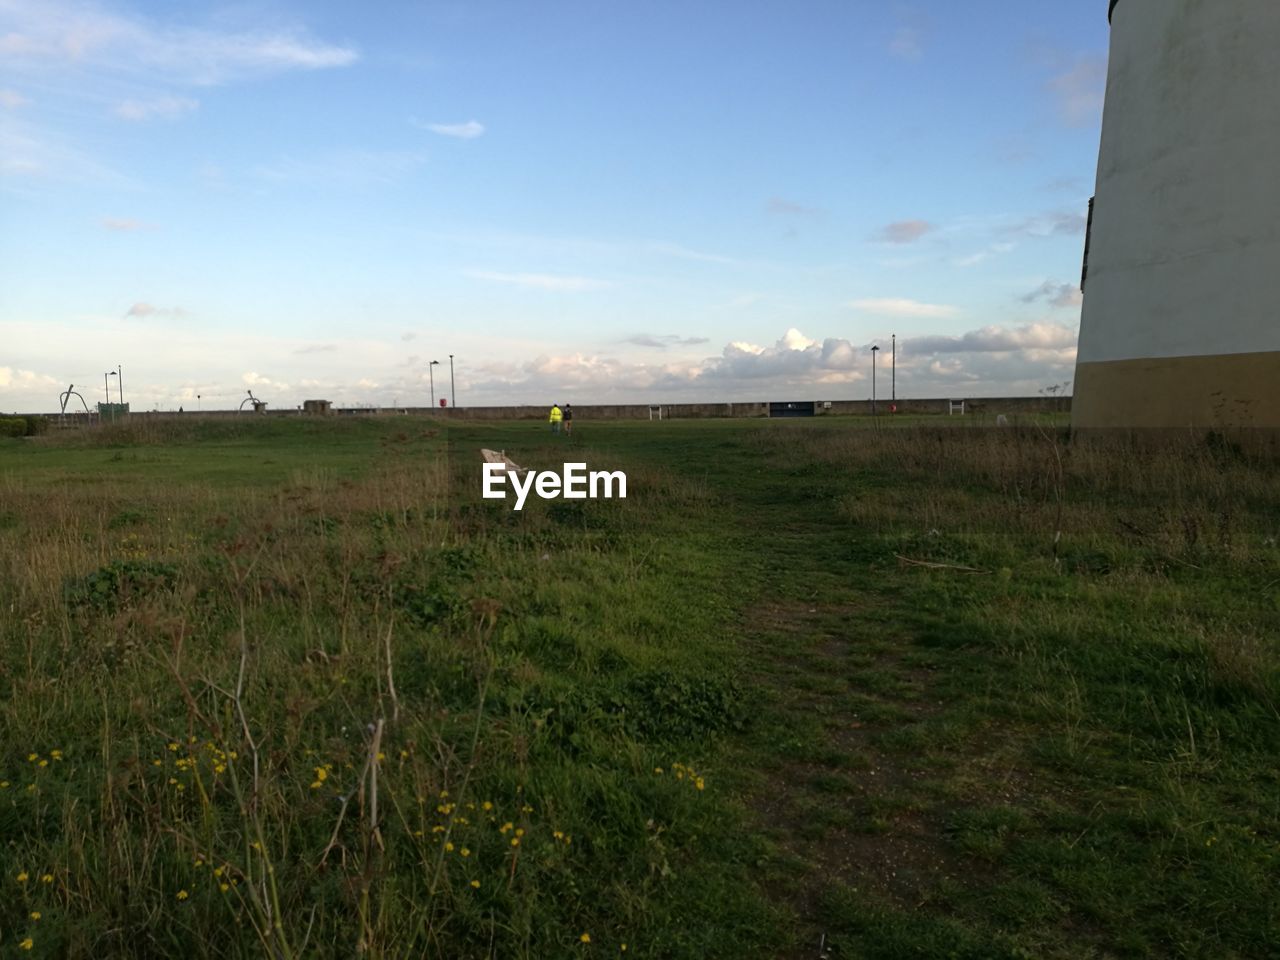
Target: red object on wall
(444, 402)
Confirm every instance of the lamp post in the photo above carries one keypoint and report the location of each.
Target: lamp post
(120, 382)
(873, 379)
(893, 379)
(431, 371)
(453, 393)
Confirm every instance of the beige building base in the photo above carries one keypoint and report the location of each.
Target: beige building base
(1238, 390)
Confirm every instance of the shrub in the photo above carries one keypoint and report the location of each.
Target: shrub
(13, 427)
(36, 426)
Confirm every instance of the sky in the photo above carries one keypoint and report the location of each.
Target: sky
(580, 200)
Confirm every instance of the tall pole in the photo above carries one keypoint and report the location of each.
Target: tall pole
(874, 350)
(120, 382)
(453, 393)
(431, 369)
(894, 374)
(106, 387)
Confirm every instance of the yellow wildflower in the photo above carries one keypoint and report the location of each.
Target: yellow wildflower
(585, 938)
(35, 914)
(22, 877)
(26, 944)
(47, 878)
(476, 884)
(182, 894)
(465, 852)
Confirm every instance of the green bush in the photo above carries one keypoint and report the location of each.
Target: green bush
(36, 426)
(13, 427)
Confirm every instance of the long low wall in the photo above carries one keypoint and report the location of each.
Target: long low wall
(989, 406)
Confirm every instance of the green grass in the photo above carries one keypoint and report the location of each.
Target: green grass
(913, 690)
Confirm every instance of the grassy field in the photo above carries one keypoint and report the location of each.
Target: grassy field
(291, 688)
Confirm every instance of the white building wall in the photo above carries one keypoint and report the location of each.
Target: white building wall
(1185, 245)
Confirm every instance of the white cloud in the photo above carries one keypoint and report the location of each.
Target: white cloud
(62, 32)
(12, 99)
(992, 339)
(539, 281)
(662, 341)
(1055, 294)
(142, 310)
(12, 379)
(461, 131)
(165, 107)
(904, 231)
(901, 307)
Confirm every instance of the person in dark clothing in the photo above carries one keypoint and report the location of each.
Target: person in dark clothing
(568, 419)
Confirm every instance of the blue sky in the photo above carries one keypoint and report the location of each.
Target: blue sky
(584, 201)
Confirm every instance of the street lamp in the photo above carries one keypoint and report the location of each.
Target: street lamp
(873, 379)
(120, 382)
(106, 388)
(453, 393)
(432, 372)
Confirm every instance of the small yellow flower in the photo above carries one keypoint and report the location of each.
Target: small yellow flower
(316, 785)
(465, 852)
(157, 763)
(487, 805)
(657, 770)
(26, 944)
(56, 754)
(47, 878)
(519, 831)
(585, 938)
(4, 784)
(173, 748)
(505, 827)
(32, 757)
(700, 784)
(43, 763)
(476, 884)
(218, 871)
(223, 887)
(322, 774)
(515, 841)
(22, 877)
(448, 847)
(624, 948)
(182, 894)
(35, 914)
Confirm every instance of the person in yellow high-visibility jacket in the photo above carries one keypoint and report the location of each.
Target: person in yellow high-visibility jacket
(555, 418)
